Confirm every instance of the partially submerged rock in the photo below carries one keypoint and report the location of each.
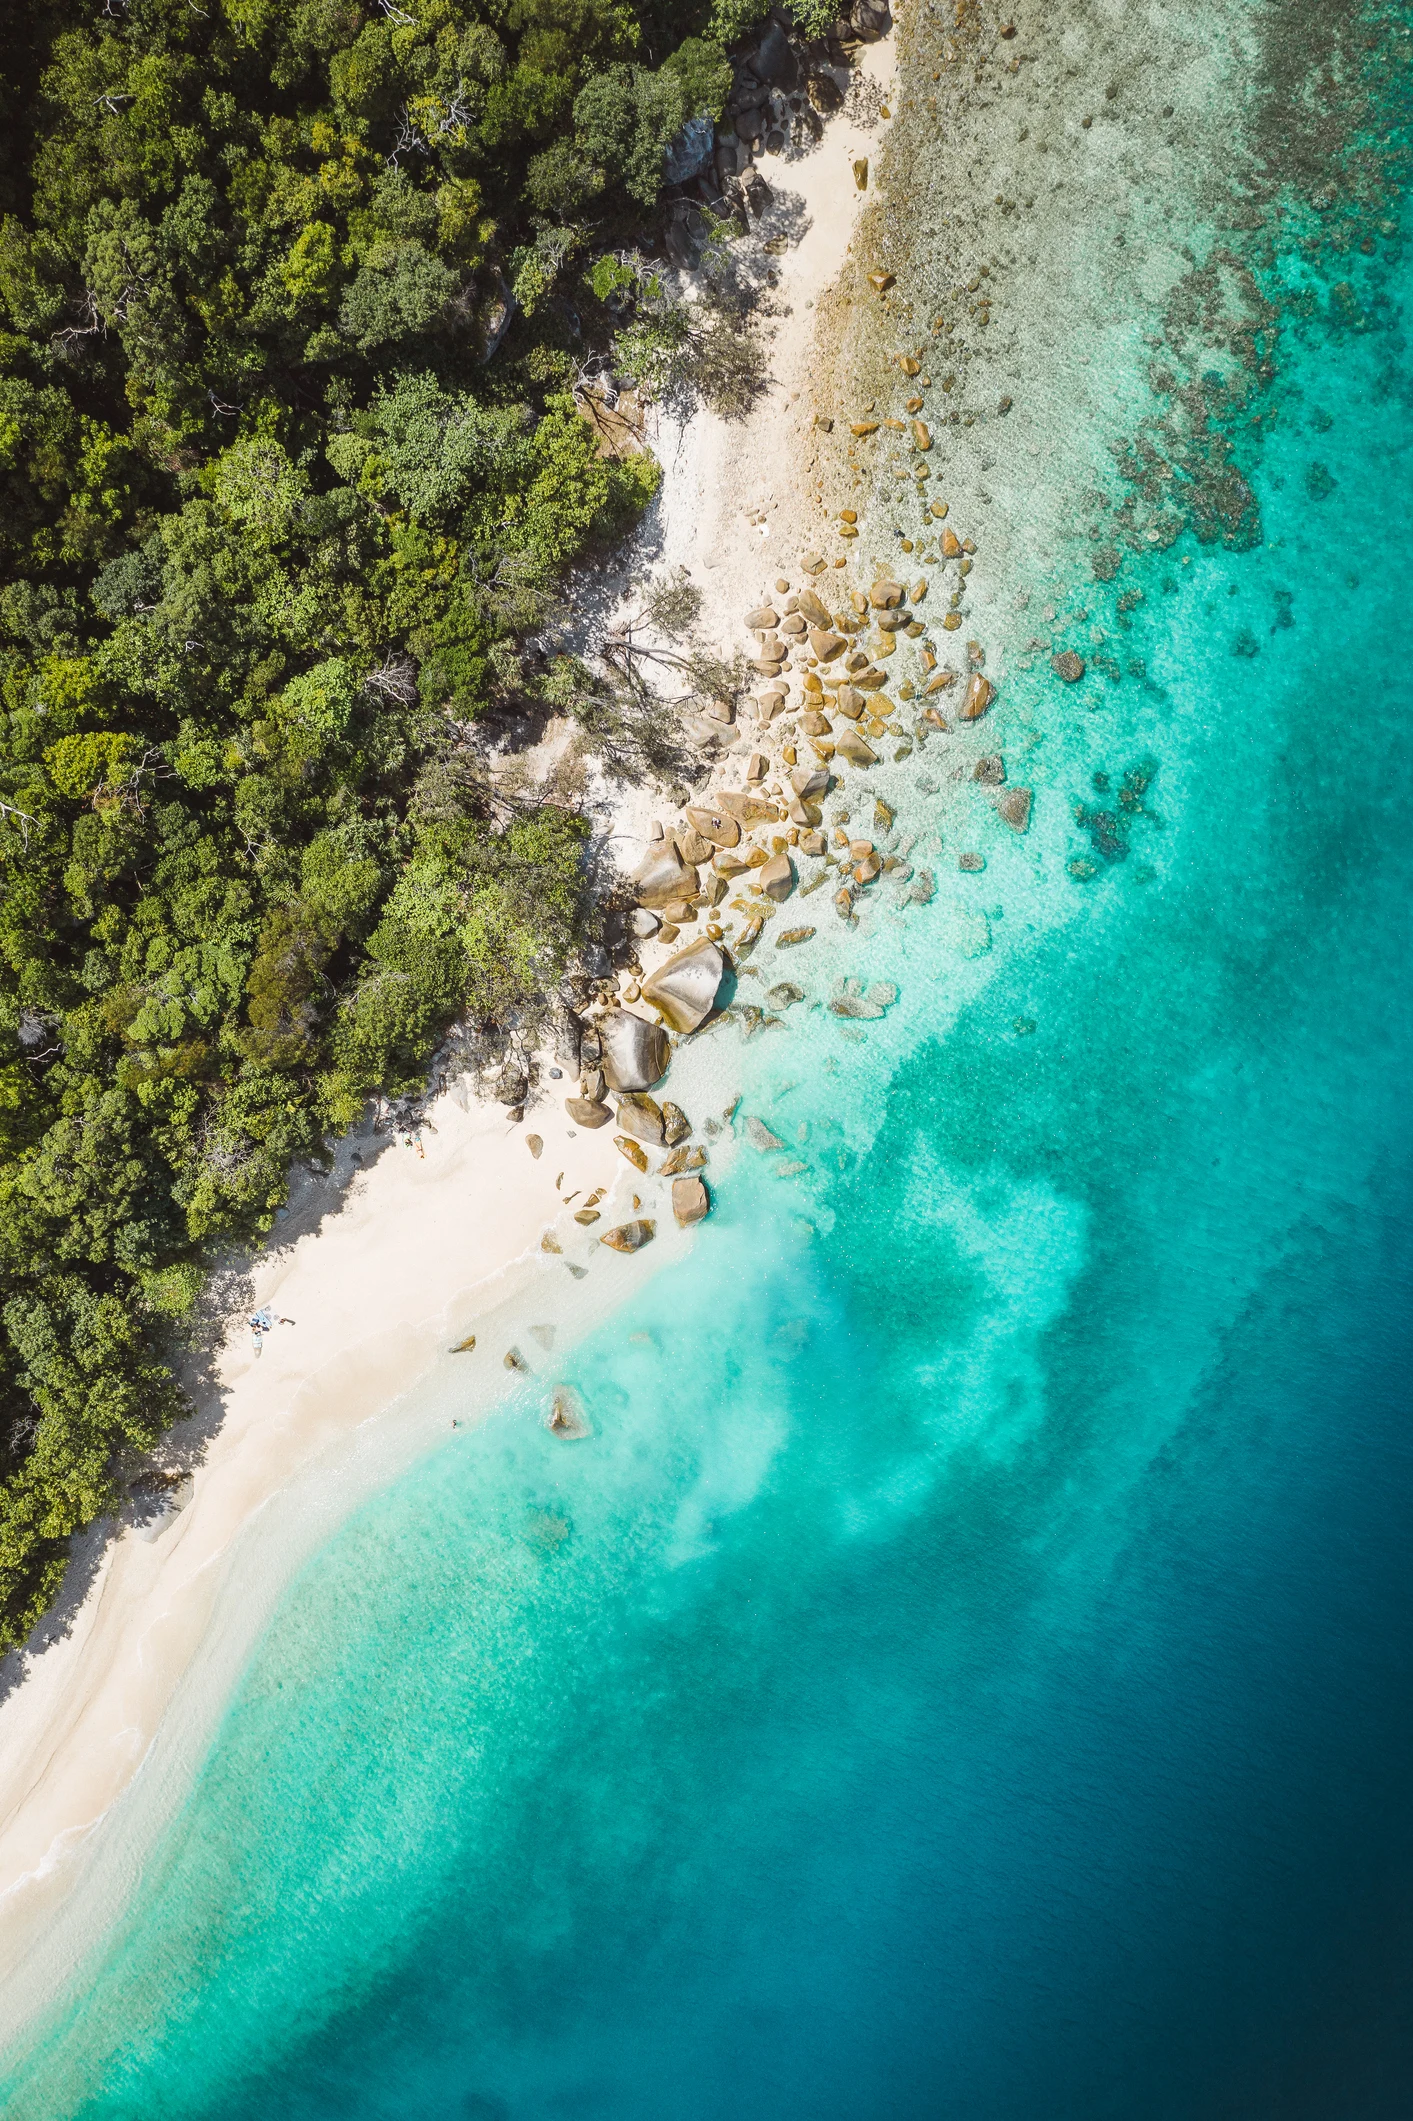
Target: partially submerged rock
(760, 1136)
(789, 937)
(566, 1416)
(675, 1124)
(684, 990)
(635, 1052)
(691, 1203)
(977, 698)
(1013, 807)
(850, 998)
(629, 1237)
(851, 746)
(636, 1154)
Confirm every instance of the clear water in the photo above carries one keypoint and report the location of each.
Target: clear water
(971, 1668)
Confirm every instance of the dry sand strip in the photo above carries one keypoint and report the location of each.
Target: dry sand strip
(417, 1248)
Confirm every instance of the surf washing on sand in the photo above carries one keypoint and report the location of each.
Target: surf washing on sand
(964, 1663)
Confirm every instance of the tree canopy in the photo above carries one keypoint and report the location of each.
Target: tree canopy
(292, 301)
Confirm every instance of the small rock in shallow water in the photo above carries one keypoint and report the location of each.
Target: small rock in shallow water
(1068, 665)
(851, 746)
(675, 1124)
(784, 993)
(978, 697)
(760, 1136)
(586, 1216)
(789, 937)
(691, 1203)
(972, 863)
(1014, 808)
(514, 1360)
(566, 1418)
(629, 1237)
(636, 1154)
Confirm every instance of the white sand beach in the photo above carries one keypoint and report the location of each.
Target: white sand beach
(415, 1252)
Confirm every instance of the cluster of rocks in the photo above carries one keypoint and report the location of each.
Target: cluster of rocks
(626, 1056)
(782, 88)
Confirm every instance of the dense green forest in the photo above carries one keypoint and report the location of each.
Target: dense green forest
(293, 298)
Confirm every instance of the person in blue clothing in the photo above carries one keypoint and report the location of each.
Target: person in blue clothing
(262, 1322)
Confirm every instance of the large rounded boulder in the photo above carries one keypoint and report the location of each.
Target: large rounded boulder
(635, 1052)
(684, 990)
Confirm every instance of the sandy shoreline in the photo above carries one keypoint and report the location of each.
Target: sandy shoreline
(417, 1252)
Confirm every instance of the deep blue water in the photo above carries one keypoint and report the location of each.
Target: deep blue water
(971, 1668)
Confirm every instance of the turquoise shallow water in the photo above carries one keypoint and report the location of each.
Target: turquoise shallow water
(969, 1669)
